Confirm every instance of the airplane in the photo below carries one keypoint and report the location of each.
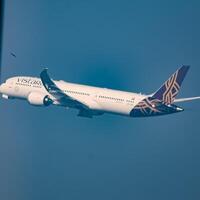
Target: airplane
(94, 101)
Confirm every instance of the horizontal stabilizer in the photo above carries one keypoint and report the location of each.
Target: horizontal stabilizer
(186, 99)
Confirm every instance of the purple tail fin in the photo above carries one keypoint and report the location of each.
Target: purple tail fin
(171, 87)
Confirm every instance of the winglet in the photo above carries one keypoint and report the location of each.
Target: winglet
(171, 87)
(45, 69)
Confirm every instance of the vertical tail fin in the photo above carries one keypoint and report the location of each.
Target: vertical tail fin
(171, 87)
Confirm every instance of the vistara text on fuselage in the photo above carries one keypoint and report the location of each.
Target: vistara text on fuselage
(93, 101)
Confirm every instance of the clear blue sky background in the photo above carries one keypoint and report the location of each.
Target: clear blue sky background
(50, 153)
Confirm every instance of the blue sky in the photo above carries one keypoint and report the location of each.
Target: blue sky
(50, 153)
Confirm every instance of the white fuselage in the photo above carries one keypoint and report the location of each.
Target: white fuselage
(97, 99)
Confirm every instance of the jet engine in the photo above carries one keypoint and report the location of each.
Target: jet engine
(39, 99)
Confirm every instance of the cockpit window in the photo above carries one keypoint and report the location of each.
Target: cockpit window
(10, 81)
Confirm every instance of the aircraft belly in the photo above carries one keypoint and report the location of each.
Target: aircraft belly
(116, 108)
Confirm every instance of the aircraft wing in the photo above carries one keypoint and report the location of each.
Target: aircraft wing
(56, 92)
(186, 99)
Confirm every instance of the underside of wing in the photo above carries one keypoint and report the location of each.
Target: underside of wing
(56, 92)
(186, 99)
(89, 113)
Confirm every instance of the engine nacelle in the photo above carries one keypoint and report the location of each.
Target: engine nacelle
(39, 99)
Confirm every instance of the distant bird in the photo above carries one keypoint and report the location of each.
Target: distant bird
(12, 54)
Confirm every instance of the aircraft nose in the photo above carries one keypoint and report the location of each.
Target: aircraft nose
(2, 88)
